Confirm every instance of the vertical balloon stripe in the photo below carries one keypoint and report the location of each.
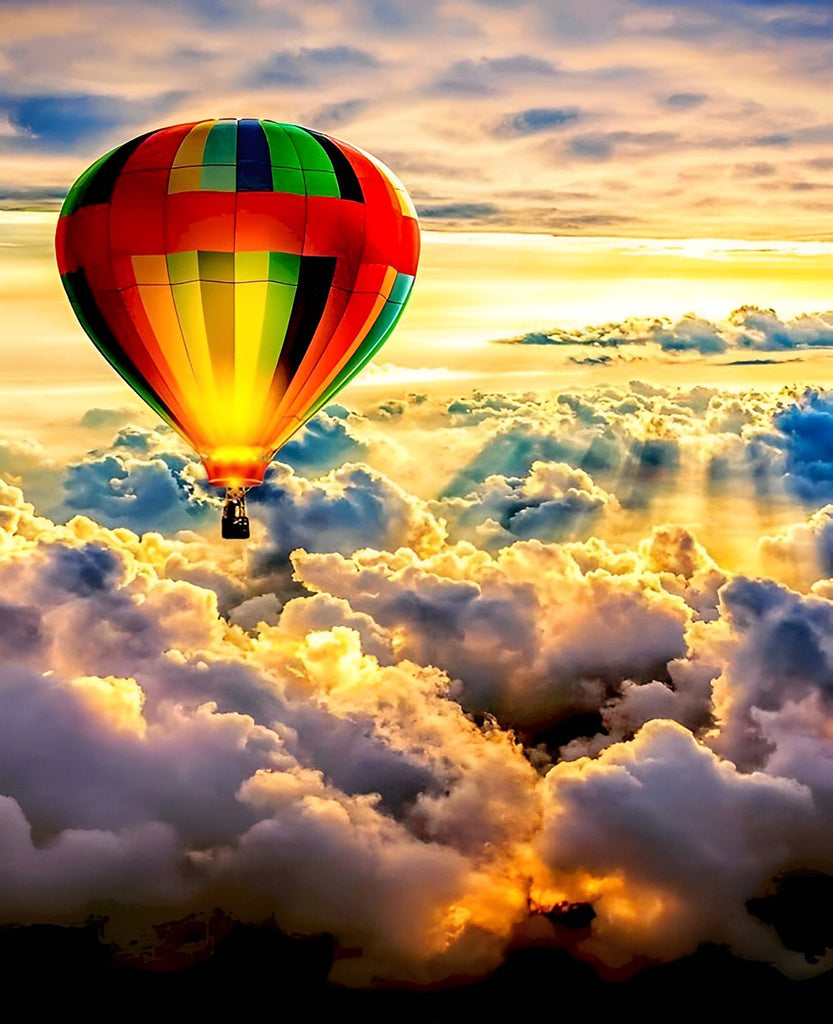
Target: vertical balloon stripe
(96, 327)
(99, 187)
(218, 311)
(140, 345)
(281, 151)
(336, 345)
(334, 363)
(250, 298)
(311, 155)
(188, 301)
(376, 337)
(254, 162)
(221, 144)
(75, 197)
(158, 303)
(190, 152)
(287, 175)
(372, 341)
(362, 309)
(337, 303)
(219, 170)
(279, 302)
(348, 183)
(314, 280)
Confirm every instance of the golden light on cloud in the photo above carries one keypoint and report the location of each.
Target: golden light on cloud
(477, 287)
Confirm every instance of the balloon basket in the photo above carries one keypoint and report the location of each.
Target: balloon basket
(235, 522)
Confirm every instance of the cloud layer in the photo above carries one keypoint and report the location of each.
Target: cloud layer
(421, 723)
(624, 116)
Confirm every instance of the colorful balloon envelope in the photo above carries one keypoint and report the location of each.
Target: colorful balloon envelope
(237, 274)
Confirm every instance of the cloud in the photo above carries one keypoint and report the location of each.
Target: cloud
(305, 65)
(536, 119)
(185, 763)
(482, 76)
(610, 822)
(603, 145)
(323, 444)
(770, 645)
(450, 691)
(364, 63)
(803, 552)
(747, 327)
(336, 114)
(553, 500)
(685, 100)
(156, 494)
(458, 211)
(533, 637)
(109, 418)
(349, 508)
(63, 121)
(806, 441)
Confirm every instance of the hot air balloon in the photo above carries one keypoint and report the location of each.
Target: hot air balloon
(237, 274)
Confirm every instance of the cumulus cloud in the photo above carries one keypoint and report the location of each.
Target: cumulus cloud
(471, 703)
(349, 508)
(533, 637)
(803, 551)
(165, 758)
(609, 823)
(550, 503)
(748, 327)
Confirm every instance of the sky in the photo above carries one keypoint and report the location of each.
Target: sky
(538, 613)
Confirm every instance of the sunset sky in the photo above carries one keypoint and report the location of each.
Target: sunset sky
(539, 612)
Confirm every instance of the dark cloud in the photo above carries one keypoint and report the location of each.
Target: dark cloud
(154, 494)
(22, 630)
(60, 121)
(685, 100)
(457, 211)
(334, 114)
(323, 444)
(63, 121)
(537, 119)
(223, 13)
(46, 198)
(483, 76)
(602, 145)
(307, 64)
(520, 648)
(774, 139)
(807, 439)
(665, 784)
